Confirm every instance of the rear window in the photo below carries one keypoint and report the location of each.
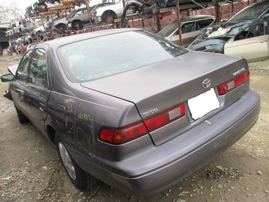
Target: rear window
(251, 12)
(113, 54)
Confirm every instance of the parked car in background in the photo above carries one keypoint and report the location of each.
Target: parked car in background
(101, 11)
(43, 26)
(248, 39)
(108, 12)
(190, 28)
(132, 109)
(62, 22)
(78, 19)
(251, 12)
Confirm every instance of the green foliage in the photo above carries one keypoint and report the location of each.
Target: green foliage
(9, 11)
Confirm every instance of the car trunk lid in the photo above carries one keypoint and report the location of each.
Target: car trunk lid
(158, 87)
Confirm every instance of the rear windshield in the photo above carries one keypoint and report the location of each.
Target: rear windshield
(252, 12)
(169, 29)
(99, 57)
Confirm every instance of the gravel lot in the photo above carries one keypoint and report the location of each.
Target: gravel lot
(30, 169)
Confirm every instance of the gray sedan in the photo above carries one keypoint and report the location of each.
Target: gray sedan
(131, 109)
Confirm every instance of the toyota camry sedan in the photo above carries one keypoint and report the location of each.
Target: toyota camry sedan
(131, 109)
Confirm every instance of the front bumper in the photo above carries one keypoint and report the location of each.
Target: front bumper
(166, 164)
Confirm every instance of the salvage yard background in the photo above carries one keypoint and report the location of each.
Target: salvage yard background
(30, 169)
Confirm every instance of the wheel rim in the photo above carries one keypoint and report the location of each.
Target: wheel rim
(68, 164)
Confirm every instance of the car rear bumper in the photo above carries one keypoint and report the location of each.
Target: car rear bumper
(178, 158)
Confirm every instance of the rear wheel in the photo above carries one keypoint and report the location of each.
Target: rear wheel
(108, 17)
(61, 27)
(78, 177)
(21, 117)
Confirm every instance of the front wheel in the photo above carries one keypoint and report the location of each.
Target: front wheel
(78, 177)
(77, 24)
(61, 27)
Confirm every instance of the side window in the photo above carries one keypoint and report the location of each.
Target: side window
(251, 31)
(22, 72)
(188, 27)
(38, 68)
(79, 12)
(204, 23)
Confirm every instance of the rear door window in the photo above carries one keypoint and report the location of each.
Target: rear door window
(204, 23)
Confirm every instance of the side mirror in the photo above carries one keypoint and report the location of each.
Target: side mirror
(7, 77)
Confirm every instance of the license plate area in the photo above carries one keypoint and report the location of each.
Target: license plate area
(203, 104)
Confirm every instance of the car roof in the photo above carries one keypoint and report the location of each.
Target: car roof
(197, 17)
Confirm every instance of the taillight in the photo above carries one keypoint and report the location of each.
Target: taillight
(122, 135)
(232, 84)
(165, 117)
(128, 133)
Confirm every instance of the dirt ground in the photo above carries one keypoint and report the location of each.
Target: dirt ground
(30, 169)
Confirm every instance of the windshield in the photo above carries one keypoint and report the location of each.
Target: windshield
(169, 29)
(251, 12)
(113, 54)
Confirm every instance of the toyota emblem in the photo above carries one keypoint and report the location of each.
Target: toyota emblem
(206, 83)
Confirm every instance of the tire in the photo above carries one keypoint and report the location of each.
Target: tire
(108, 17)
(21, 117)
(77, 24)
(61, 27)
(78, 177)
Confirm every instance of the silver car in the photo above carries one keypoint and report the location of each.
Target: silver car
(131, 109)
(190, 28)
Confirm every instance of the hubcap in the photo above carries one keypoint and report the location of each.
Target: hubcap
(68, 164)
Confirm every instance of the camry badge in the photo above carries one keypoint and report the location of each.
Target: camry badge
(206, 83)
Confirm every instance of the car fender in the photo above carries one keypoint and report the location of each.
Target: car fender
(116, 8)
(210, 45)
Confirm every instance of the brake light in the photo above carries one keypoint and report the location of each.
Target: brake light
(128, 133)
(165, 117)
(122, 135)
(232, 84)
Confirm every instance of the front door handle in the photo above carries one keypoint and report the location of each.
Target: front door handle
(21, 92)
(41, 107)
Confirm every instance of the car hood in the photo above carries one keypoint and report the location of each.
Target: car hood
(179, 79)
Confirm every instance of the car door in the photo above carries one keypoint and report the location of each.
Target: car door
(186, 31)
(189, 32)
(37, 91)
(19, 84)
(252, 43)
(188, 37)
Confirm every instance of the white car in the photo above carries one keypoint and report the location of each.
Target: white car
(108, 11)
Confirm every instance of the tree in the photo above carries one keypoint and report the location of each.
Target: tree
(9, 12)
